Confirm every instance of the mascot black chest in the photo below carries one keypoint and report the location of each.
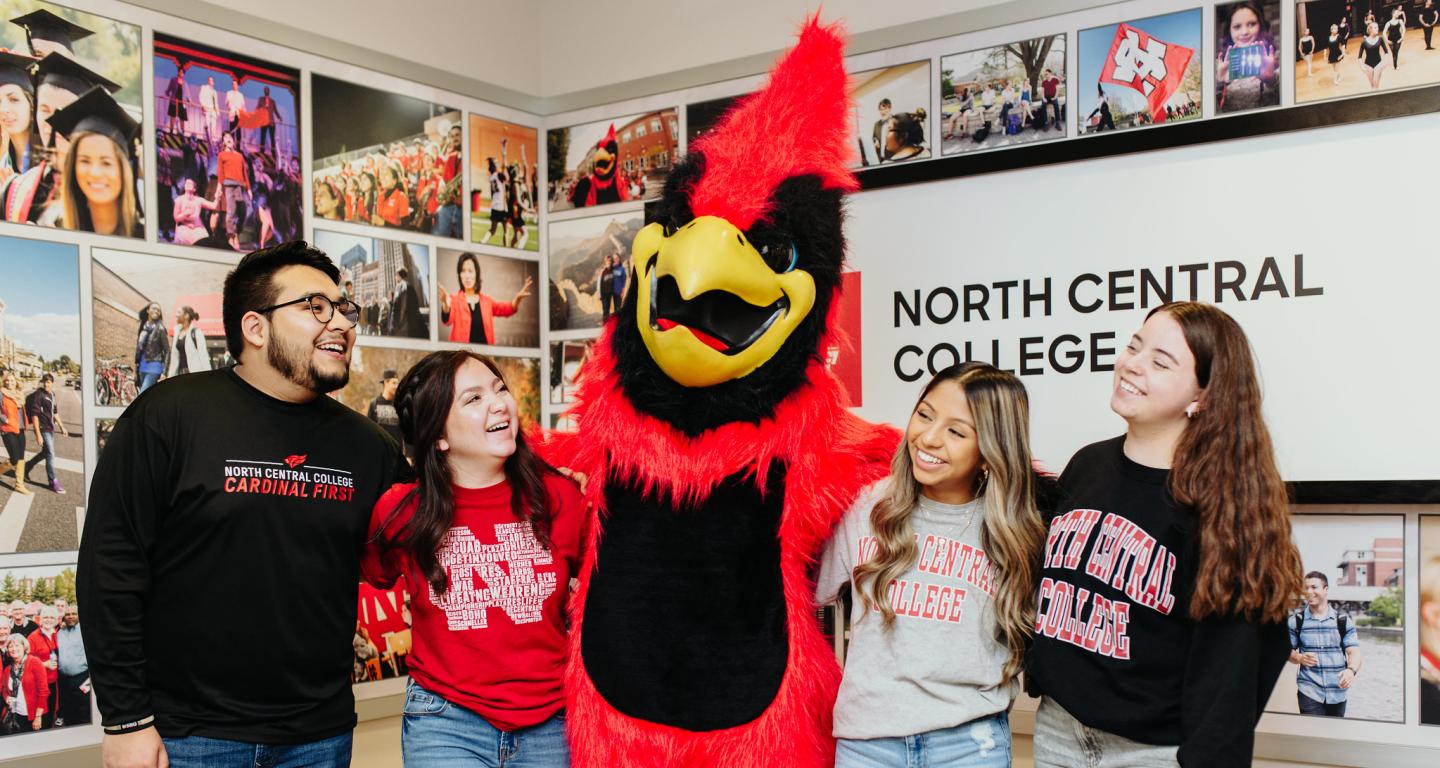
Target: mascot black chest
(685, 621)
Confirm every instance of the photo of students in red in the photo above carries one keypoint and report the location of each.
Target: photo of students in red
(386, 160)
(227, 144)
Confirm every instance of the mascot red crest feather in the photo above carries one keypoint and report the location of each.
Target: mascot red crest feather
(801, 119)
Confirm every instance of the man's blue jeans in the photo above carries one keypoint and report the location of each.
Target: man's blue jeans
(205, 752)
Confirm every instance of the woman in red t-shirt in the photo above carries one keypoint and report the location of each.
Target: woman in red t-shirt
(487, 541)
(393, 205)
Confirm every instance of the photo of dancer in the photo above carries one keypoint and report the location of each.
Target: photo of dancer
(370, 367)
(1140, 73)
(155, 317)
(611, 161)
(227, 147)
(382, 633)
(1363, 48)
(46, 680)
(390, 280)
(486, 299)
(890, 112)
(586, 258)
(1247, 57)
(1347, 637)
(1002, 96)
(384, 159)
(56, 55)
(42, 467)
(567, 359)
(504, 184)
(1430, 619)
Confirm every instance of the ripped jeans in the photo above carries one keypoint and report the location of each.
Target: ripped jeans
(980, 743)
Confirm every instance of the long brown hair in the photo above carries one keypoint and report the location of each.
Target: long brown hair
(76, 207)
(1224, 467)
(423, 401)
(1012, 532)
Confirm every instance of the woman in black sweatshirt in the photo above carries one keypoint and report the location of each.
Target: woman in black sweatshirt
(1168, 567)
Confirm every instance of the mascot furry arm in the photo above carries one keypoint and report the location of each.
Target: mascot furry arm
(719, 450)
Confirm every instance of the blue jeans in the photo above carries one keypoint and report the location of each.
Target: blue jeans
(980, 743)
(1309, 706)
(205, 752)
(47, 450)
(447, 221)
(147, 380)
(439, 733)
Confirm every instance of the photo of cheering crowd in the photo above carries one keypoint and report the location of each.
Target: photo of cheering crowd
(504, 184)
(1140, 73)
(227, 144)
(69, 135)
(386, 160)
(42, 468)
(890, 111)
(1001, 96)
(1349, 48)
(155, 317)
(611, 161)
(44, 675)
(1347, 635)
(389, 280)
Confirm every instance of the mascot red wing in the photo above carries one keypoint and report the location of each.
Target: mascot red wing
(604, 183)
(719, 450)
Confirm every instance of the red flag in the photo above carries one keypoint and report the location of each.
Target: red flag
(1149, 65)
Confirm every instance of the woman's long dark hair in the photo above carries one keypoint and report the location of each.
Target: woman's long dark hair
(423, 401)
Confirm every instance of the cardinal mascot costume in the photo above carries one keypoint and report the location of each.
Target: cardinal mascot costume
(719, 450)
(604, 184)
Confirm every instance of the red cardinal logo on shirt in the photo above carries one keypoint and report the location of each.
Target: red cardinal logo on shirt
(295, 459)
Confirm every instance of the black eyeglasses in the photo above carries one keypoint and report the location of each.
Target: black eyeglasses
(322, 307)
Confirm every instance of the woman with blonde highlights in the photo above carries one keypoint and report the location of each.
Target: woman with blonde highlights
(943, 557)
(1168, 570)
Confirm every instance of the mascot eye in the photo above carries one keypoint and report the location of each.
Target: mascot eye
(781, 258)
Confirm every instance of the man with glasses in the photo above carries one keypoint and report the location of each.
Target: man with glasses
(228, 499)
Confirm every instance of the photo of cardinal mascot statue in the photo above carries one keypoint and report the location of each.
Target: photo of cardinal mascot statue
(718, 448)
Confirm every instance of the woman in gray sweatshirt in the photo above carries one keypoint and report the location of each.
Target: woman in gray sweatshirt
(942, 556)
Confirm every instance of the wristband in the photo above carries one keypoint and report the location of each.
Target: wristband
(1354, 671)
(131, 727)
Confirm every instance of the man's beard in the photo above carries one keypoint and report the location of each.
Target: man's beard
(293, 361)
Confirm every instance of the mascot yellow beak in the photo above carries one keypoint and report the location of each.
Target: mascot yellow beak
(604, 161)
(709, 308)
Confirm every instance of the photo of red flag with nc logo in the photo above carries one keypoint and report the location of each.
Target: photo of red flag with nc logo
(1148, 64)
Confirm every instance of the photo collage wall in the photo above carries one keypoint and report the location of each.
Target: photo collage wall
(453, 225)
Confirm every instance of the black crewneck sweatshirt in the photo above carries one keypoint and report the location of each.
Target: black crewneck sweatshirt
(1115, 644)
(220, 560)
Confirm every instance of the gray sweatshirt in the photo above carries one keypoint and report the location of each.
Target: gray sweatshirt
(939, 664)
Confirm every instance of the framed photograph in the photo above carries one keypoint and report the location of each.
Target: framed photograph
(1429, 686)
(384, 159)
(485, 299)
(147, 311)
(227, 147)
(567, 359)
(41, 620)
(1141, 72)
(390, 280)
(701, 116)
(1004, 95)
(68, 53)
(1247, 56)
(382, 633)
(1352, 617)
(589, 263)
(504, 184)
(42, 469)
(611, 161)
(1358, 48)
(890, 110)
